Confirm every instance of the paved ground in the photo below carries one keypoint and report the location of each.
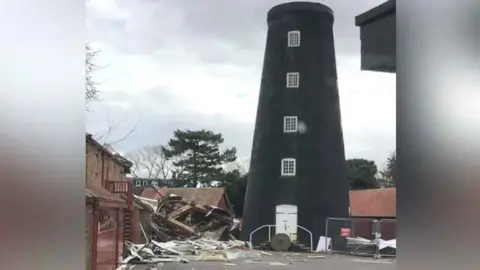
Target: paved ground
(287, 261)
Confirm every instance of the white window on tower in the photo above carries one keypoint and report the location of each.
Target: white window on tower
(288, 167)
(144, 183)
(290, 124)
(294, 38)
(155, 183)
(293, 80)
(138, 183)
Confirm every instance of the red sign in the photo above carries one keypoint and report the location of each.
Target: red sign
(344, 232)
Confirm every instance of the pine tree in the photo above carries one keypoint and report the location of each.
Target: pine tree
(387, 175)
(197, 157)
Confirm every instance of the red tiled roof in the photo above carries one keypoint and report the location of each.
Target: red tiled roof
(373, 203)
(204, 196)
(102, 194)
(137, 190)
(152, 193)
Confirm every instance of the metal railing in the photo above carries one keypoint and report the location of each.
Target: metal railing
(387, 231)
(359, 236)
(118, 186)
(270, 233)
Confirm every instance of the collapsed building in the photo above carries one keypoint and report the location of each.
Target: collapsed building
(186, 227)
(174, 217)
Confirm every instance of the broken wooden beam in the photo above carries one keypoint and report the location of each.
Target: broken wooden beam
(182, 210)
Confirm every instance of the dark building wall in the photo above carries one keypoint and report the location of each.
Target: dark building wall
(319, 188)
(378, 38)
(388, 228)
(365, 229)
(378, 46)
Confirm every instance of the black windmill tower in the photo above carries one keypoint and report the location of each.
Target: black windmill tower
(298, 155)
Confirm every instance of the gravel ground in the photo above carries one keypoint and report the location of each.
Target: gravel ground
(286, 261)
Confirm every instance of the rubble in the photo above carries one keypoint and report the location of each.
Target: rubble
(203, 249)
(316, 257)
(182, 231)
(380, 243)
(174, 218)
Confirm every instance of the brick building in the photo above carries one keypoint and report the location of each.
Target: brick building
(379, 204)
(110, 211)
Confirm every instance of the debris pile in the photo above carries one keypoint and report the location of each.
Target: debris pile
(179, 230)
(378, 246)
(203, 249)
(175, 218)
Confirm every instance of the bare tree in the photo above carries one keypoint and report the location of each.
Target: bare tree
(106, 137)
(92, 94)
(150, 162)
(91, 90)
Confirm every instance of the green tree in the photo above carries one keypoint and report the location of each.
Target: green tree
(235, 184)
(198, 155)
(361, 174)
(387, 175)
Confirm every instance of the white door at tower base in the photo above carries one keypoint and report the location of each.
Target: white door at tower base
(286, 220)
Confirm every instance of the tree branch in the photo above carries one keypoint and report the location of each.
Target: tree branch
(104, 137)
(91, 90)
(151, 163)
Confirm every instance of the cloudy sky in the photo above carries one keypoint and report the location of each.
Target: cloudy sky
(171, 64)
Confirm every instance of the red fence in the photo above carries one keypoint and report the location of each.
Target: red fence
(387, 229)
(110, 239)
(106, 227)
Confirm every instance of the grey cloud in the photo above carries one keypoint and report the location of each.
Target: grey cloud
(240, 22)
(120, 96)
(197, 26)
(160, 113)
(154, 101)
(214, 32)
(373, 146)
(158, 129)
